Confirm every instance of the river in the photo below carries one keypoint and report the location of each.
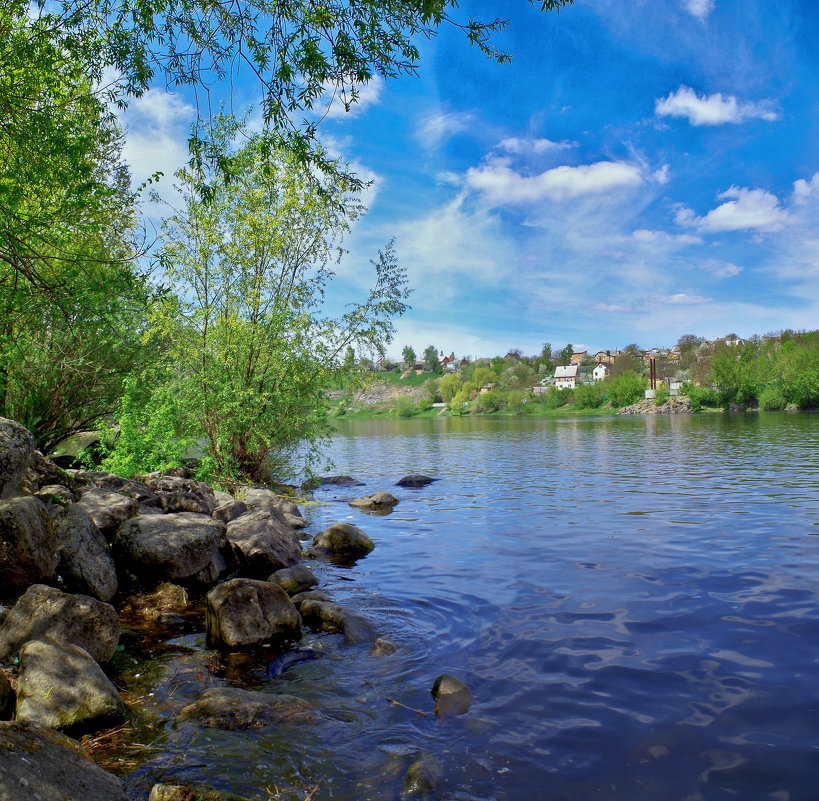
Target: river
(632, 601)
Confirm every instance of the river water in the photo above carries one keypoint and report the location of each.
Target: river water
(632, 601)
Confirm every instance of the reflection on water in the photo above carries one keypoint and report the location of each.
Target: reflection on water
(633, 603)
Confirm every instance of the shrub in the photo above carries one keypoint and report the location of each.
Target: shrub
(514, 401)
(589, 396)
(625, 389)
(661, 396)
(555, 398)
(460, 403)
(405, 407)
(702, 397)
(772, 398)
(489, 401)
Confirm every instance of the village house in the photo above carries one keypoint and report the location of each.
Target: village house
(601, 370)
(606, 355)
(578, 356)
(566, 376)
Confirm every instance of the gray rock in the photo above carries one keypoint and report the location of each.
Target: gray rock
(47, 613)
(42, 473)
(62, 687)
(234, 709)
(28, 546)
(264, 541)
(342, 538)
(377, 500)
(86, 563)
(138, 490)
(190, 792)
(183, 495)
(222, 497)
(242, 613)
(322, 615)
(54, 768)
(310, 595)
(357, 628)
(452, 696)
(108, 508)
(415, 481)
(169, 547)
(295, 522)
(422, 777)
(230, 510)
(16, 449)
(6, 697)
(55, 493)
(259, 498)
(294, 579)
(383, 647)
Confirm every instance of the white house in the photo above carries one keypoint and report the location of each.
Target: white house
(601, 370)
(566, 376)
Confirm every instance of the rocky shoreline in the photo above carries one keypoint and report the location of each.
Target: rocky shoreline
(677, 405)
(84, 552)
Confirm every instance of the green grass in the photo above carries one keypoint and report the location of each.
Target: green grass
(410, 381)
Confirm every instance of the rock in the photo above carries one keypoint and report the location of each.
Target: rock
(47, 613)
(42, 473)
(322, 615)
(62, 687)
(222, 497)
(294, 522)
(138, 490)
(310, 595)
(230, 510)
(6, 697)
(264, 541)
(55, 493)
(243, 613)
(415, 481)
(53, 768)
(170, 547)
(28, 546)
(108, 508)
(342, 538)
(183, 495)
(357, 629)
(166, 600)
(294, 579)
(679, 404)
(189, 792)
(232, 709)
(16, 449)
(338, 481)
(451, 696)
(422, 777)
(86, 563)
(383, 647)
(378, 500)
(258, 498)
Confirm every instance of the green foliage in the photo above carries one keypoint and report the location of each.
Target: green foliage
(460, 403)
(702, 397)
(490, 401)
(625, 389)
(451, 384)
(589, 396)
(546, 351)
(481, 376)
(772, 398)
(555, 398)
(432, 391)
(661, 395)
(515, 401)
(406, 407)
(566, 354)
(408, 354)
(431, 362)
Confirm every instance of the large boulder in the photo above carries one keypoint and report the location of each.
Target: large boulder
(415, 481)
(294, 579)
(42, 473)
(47, 613)
(309, 595)
(169, 547)
(242, 613)
(264, 541)
(40, 764)
(86, 563)
(183, 494)
(6, 697)
(233, 709)
(230, 510)
(377, 500)
(422, 777)
(342, 538)
(260, 498)
(28, 547)
(16, 449)
(138, 490)
(322, 615)
(62, 687)
(108, 508)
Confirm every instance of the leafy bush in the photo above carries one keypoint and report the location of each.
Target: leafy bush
(555, 398)
(661, 396)
(589, 396)
(514, 401)
(772, 398)
(405, 407)
(460, 403)
(490, 401)
(702, 397)
(803, 387)
(625, 389)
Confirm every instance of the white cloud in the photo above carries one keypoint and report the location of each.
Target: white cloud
(713, 109)
(439, 127)
(720, 269)
(743, 210)
(519, 146)
(804, 190)
(701, 9)
(664, 238)
(500, 184)
(680, 299)
(339, 98)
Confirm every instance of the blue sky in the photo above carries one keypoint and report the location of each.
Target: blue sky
(639, 171)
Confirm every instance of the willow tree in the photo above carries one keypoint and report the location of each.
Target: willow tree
(250, 349)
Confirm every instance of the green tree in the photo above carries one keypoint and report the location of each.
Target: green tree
(566, 354)
(546, 351)
(431, 361)
(408, 354)
(624, 389)
(450, 385)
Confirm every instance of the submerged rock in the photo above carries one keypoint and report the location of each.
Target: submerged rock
(415, 481)
(62, 687)
(166, 600)
(16, 449)
(342, 538)
(232, 709)
(336, 481)
(452, 696)
(242, 613)
(422, 777)
(189, 792)
(28, 546)
(377, 500)
(169, 547)
(322, 615)
(47, 613)
(309, 595)
(383, 647)
(86, 563)
(54, 769)
(294, 579)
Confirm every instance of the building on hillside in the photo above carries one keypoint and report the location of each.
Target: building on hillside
(601, 370)
(566, 376)
(578, 356)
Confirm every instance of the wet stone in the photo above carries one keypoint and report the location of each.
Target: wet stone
(452, 696)
(233, 709)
